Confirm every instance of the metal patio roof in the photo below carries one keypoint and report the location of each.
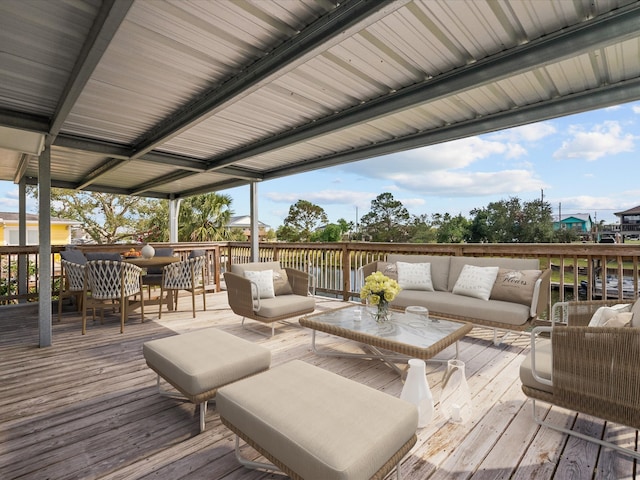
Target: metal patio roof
(174, 98)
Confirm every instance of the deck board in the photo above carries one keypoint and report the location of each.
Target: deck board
(87, 407)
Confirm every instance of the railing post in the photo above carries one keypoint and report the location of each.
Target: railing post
(346, 273)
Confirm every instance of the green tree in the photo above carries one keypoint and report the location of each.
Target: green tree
(106, 217)
(330, 233)
(421, 230)
(453, 229)
(303, 219)
(510, 220)
(387, 221)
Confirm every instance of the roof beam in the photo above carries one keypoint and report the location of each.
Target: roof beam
(24, 121)
(601, 31)
(108, 20)
(346, 18)
(577, 103)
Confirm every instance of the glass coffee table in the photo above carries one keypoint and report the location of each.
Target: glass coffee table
(403, 337)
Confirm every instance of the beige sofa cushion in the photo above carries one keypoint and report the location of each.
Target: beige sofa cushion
(285, 305)
(439, 267)
(543, 367)
(319, 424)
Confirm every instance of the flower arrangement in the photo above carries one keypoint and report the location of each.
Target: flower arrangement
(379, 290)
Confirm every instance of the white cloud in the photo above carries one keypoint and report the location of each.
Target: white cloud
(469, 184)
(603, 140)
(324, 197)
(453, 155)
(525, 133)
(635, 109)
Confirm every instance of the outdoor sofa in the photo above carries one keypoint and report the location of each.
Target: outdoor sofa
(510, 299)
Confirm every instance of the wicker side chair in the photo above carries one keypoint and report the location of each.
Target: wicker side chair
(111, 280)
(71, 284)
(184, 275)
(590, 370)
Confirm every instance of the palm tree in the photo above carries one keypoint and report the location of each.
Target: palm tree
(204, 218)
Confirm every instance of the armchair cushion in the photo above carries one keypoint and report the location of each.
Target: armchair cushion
(264, 281)
(635, 309)
(543, 367)
(281, 285)
(604, 313)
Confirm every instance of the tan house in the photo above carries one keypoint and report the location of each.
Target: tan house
(243, 223)
(9, 233)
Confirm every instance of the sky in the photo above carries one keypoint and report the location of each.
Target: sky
(583, 163)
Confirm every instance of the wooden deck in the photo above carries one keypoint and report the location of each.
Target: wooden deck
(87, 407)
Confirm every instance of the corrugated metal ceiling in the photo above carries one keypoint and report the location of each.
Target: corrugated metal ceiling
(172, 98)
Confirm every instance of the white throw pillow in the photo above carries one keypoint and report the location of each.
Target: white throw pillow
(476, 281)
(264, 280)
(603, 314)
(414, 276)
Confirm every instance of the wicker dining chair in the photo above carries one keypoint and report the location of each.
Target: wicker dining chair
(111, 280)
(184, 275)
(71, 284)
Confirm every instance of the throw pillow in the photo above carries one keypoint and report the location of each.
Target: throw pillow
(602, 314)
(281, 284)
(388, 269)
(515, 286)
(264, 280)
(414, 276)
(620, 320)
(475, 281)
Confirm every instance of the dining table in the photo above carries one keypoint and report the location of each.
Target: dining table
(155, 261)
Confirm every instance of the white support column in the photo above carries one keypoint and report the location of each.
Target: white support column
(174, 211)
(44, 238)
(23, 260)
(255, 245)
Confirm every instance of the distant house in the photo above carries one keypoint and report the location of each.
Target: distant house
(629, 219)
(9, 233)
(243, 223)
(579, 222)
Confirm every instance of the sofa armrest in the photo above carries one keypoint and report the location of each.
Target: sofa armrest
(368, 269)
(299, 281)
(540, 304)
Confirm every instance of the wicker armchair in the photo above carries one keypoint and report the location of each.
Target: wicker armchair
(240, 290)
(111, 280)
(184, 275)
(591, 370)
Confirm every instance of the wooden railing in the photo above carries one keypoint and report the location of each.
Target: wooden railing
(578, 269)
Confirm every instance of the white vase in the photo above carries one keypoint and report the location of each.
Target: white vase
(148, 251)
(455, 398)
(416, 390)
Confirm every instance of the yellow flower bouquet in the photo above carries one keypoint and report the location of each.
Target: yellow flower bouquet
(379, 290)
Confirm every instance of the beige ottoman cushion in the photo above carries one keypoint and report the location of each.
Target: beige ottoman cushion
(201, 361)
(319, 424)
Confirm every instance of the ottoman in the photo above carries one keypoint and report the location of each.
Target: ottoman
(314, 424)
(198, 363)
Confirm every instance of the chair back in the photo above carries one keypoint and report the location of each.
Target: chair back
(75, 275)
(113, 279)
(184, 274)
